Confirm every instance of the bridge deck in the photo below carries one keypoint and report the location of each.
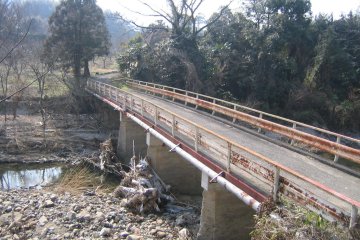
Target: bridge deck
(262, 164)
(334, 178)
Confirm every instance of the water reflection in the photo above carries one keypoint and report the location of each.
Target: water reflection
(14, 176)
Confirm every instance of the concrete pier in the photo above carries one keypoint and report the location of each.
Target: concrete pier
(224, 216)
(175, 171)
(129, 133)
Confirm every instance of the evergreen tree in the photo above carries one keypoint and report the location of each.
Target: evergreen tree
(78, 33)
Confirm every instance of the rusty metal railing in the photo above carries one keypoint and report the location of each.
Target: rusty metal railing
(241, 113)
(236, 159)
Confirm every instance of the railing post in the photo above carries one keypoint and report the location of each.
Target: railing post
(156, 115)
(124, 103)
(234, 119)
(186, 94)
(196, 139)
(260, 116)
(162, 95)
(173, 99)
(173, 126)
(354, 215)
(292, 140)
(197, 97)
(338, 140)
(142, 107)
(276, 183)
(131, 103)
(214, 102)
(228, 157)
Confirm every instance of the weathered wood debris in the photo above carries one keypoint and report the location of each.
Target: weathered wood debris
(141, 189)
(107, 160)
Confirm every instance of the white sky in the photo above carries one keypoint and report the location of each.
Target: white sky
(337, 7)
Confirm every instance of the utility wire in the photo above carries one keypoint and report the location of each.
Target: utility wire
(22, 89)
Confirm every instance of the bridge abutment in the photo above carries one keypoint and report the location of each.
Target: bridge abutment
(223, 215)
(129, 133)
(181, 175)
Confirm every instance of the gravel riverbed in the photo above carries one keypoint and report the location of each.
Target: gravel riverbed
(46, 214)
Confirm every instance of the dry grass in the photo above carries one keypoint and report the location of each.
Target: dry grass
(291, 221)
(77, 180)
(80, 179)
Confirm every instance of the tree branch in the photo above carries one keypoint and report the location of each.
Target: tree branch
(118, 16)
(22, 89)
(18, 43)
(165, 16)
(215, 19)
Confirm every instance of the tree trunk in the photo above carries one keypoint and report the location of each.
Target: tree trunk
(77, 64)
(86, 68)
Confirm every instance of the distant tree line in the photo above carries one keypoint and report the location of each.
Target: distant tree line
(274, 55)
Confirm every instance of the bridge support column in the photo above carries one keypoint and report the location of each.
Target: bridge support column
(130, 132)
(223, 216)
(183, 177)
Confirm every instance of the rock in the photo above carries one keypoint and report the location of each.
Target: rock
(108, 225)
(77, 208)
(180, 221)
(185, 219)
(129, 227)
(48, 204)
(7, 203)
(105, 232)
(53, 197)
(75, 232)
(153, 231)
(8, 209)
(67, 235)
(184, 234)
(44, 232)
(161, 234)
(71, 215)
(83, 216)
(135, 230)
(16, 237)
(124, 234)
(42, 221)
(133, 237)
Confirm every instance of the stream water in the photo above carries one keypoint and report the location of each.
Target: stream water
(15, 176)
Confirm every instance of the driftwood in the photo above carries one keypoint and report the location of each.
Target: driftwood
(141, 189)
(107, 155)
(107, 160)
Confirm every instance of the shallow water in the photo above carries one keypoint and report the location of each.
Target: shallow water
(15, 176)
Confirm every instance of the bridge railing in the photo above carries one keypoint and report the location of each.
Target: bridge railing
(236, 159)
(337, 144)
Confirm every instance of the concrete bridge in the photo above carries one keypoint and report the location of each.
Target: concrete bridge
(239, 157)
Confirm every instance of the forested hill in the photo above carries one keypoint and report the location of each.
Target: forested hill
(274, 55)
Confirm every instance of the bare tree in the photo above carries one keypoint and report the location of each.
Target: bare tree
(13, 31)
(186, 27)
(41, 71)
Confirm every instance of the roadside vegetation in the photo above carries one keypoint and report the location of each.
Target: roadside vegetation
(291, 221)
(271, 55)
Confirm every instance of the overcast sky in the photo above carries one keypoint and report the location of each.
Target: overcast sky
(127, 7)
